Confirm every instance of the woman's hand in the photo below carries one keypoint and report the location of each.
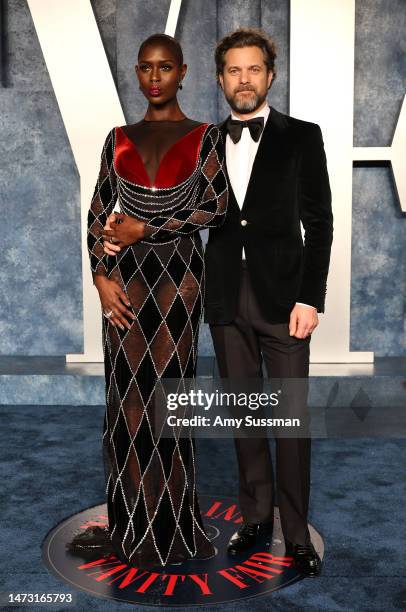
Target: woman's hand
(121, 230)
(113, 298)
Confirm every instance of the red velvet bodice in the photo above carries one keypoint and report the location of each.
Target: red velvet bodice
(176, 165)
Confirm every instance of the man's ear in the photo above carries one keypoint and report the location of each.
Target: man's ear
(270, 78)
(221, 80)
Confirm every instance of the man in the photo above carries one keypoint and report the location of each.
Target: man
(264, 288)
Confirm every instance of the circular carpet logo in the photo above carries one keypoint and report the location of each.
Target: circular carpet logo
(220, 579)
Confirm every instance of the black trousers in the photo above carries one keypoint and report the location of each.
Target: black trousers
(240, 348)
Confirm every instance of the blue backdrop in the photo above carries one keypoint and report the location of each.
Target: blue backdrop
(40, 262)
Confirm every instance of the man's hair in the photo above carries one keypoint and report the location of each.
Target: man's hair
(246, 37)
(163, 39)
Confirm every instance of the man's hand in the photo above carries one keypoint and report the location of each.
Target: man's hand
(109, 247)
(124, 230)
(303, 320)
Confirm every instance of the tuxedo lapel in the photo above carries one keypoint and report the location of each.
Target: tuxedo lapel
(271, 149)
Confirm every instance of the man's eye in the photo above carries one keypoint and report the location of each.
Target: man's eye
(144, 68)
(233, 71)
(167, 68)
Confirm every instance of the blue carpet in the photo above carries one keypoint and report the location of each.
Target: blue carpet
(51, 468)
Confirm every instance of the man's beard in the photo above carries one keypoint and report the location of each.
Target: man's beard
(244, 104)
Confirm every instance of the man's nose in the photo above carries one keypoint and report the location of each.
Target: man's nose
(244, 76)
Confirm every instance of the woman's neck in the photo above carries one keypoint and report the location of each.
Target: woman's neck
(167, 112)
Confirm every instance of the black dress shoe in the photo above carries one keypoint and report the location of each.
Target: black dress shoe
(305, 558)
(247, 536)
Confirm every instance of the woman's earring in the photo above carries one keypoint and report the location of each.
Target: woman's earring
(180, 86)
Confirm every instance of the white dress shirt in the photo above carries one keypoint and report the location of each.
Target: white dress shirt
(240, 158)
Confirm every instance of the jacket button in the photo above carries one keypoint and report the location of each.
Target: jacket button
(244, 222)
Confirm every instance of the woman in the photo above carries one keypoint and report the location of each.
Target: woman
(168, 173)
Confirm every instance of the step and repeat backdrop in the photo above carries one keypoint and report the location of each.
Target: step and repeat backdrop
(67, 77)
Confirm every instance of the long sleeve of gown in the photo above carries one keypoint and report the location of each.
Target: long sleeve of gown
(209, 207)
(101, 206)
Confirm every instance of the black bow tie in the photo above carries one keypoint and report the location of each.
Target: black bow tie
(235, 127)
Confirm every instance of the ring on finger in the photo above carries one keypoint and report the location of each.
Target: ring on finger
(108, 314)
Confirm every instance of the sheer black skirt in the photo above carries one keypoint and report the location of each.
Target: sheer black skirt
(153, 512)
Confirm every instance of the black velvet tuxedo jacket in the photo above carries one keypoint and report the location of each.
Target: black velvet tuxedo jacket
(288, 184)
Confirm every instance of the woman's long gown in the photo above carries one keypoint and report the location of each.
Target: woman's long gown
(153, 511)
